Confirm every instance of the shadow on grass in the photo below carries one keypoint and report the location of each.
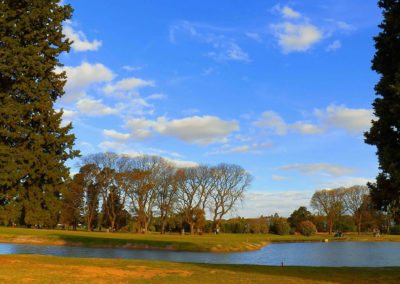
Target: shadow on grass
(320, 274)
(323, 274)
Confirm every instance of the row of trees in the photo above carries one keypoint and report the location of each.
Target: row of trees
(111, 188)
(354, 201)
(340, 209)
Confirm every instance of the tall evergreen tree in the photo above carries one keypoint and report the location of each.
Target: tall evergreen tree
(385, 130)
(33, 144)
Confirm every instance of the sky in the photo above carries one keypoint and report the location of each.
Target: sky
(283, 89)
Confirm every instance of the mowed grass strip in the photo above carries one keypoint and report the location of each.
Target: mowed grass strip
(48, 269)
(206, 242)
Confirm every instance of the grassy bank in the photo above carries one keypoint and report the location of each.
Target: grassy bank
(207, 242)
(46, 269)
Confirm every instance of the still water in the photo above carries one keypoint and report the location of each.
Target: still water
(303, 254)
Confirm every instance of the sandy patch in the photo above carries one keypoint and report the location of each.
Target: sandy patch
(35, 240)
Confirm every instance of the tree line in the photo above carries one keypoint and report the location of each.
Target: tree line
(345, 209)
(356, 201)
(110, 190)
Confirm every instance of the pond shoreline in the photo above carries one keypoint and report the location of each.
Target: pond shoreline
(244, 247)
(221, 243)
(311, 254)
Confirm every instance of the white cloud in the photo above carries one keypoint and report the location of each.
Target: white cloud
(79, 78)
(255, 148)
(306, 128)
(182, 163)
(195, 129)
(296, 37)
(132, 68)
(273, 121)
(80, 42)
(223, 47)
(254, 36)
(325, 168)
(346, 181)
(113, 145)
(67, 116)
(67, 113)
(336, 44)
(289, 13)
(176, 162)
(234, 52)
(230, 51)
(156, 97)
(337, 27)
(116, 135)
(92, 107)
(345, 26)
(140, 127)
(82, 78)
(136, 106)
(267, 203)
(127, 85)
(87, 147)
(352, 120)
(120, 147)
(295, 33)
(278, 178)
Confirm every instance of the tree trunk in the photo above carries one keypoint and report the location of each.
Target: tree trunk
(112, 222)
(330, 227)
(215, 223)
(163, 227)
(191, 228)
(89, 225)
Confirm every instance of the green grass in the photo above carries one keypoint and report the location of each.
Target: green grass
(47, 269)
(207, 242)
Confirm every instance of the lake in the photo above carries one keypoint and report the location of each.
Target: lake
(372, 254)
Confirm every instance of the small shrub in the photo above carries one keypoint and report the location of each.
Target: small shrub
(307, 228)
(280, 227)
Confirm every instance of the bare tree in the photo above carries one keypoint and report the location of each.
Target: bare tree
(149, 184)
(354, 199)
(230, 184)
(113, 194)
(142, 190)
(167, 189)
(329, 202)
(195, 186)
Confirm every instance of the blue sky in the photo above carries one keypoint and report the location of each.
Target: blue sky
(283, 89)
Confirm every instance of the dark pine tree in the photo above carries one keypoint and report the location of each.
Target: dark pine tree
(385, 130)
(33, 144)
